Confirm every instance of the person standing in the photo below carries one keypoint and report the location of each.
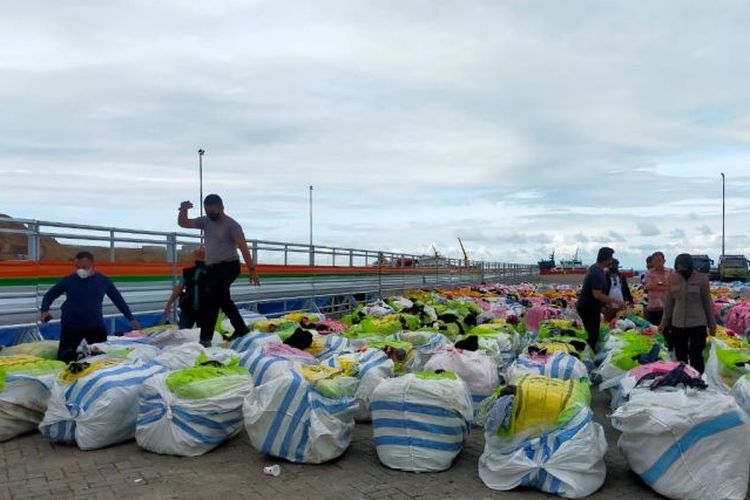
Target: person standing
(688, 312)
(656, 286)
(190, 292)
(592, 296)
(223, 236)
(649, 266)
(82, 317)
(617, 288)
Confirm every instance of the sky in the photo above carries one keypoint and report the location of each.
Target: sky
(520, 126)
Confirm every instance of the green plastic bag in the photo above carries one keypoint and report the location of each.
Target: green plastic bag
(207, 380)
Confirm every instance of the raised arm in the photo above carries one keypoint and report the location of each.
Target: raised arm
(183, 220)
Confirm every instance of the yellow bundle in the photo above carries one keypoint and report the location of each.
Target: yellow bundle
(19, 360)
(542, 403)
(69, 377)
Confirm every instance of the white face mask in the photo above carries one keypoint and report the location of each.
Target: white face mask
(84, 273)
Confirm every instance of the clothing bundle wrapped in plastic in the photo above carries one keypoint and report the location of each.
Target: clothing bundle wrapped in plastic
(425, 344)
(626, 351)
(119, 348)
(538, 314)
(652, 374)
(540, 433)
(255, 339)
(686, 444)
(370, 328)
(421, 421)
(171, 337)
(725, 366)
(289, 417)
(478, 370)
(401, 353)
(558, 365)
(561, 328)
(370, 366)
(25, 383)
(183, 356)
(46, 349)
(273, 360)
(190, 412)
(95, 404)
(499, 341)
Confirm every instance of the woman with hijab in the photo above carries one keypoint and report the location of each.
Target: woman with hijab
(617, 288)
(688, 312)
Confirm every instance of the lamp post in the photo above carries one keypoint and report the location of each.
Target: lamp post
(201, 152)
(311, 216)
(723, 212)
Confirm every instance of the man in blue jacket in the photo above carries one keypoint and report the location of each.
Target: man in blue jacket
(82, 316)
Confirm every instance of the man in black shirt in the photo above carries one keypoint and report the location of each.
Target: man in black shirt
(592, 296)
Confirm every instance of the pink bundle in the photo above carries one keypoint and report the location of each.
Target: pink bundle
(738, 318)
(660, 368)
(537, 314)
(285, 351)
(330, 326)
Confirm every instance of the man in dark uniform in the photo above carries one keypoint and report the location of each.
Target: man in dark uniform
(190, 292)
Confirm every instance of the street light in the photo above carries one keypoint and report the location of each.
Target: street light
(723, 212)
(311, 217)
(201, 152)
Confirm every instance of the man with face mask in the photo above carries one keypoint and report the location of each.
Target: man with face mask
(223, 236)
(82, 316)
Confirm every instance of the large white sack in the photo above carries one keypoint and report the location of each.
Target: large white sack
(99, 409)
(182, 356)
(287, 418)
(372, 367)
(23, 402)
(686, 444)
(170, 425)
(476, 368)
(559, 365)
(718, 377)
(255, 339)
(130, 349)
(420, 425)
(568, 461)
(169, 338)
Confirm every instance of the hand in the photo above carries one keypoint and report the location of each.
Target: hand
(712, 331)
(135, 325)
(45, 317)
(186, 205)
(167, 310)
(254, 280)
(661, 328)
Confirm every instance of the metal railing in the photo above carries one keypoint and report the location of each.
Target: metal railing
(346, 276)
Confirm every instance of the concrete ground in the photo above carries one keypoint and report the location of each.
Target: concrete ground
(31, 468)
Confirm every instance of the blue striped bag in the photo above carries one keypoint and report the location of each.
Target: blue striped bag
(560, 365)
(287, 418)
(372, 367)
(418, 424)
(99, 409)
(170, 425)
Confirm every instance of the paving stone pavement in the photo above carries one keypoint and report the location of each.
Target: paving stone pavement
(31, 468)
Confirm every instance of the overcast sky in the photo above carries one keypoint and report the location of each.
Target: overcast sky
(519, 126)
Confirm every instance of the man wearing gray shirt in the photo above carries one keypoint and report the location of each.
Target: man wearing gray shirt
(223, 236)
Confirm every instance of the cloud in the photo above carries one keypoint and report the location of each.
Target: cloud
(646, 228)
(678, 234)
(519, 127)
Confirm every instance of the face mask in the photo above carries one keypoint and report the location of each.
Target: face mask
(213, 216)
(84, 273)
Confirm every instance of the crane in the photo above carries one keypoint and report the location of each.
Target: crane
(466, 257)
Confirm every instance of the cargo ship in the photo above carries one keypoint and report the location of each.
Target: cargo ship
(571, 266)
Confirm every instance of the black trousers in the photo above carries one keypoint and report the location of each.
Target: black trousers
(689, 344)
(188, 318)
(217, 297)
(655, 317)
(71, 337)
(592, 320)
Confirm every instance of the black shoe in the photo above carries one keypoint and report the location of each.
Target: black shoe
(205, 343)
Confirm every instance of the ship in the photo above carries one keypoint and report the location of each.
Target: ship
(573, 265)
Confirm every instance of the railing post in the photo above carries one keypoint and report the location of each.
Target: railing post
(111, 246)
(312, 255)
(254, 250)
(333, 257)
(33, 243)
(286, 254)
(351, 258)
(380, 275)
